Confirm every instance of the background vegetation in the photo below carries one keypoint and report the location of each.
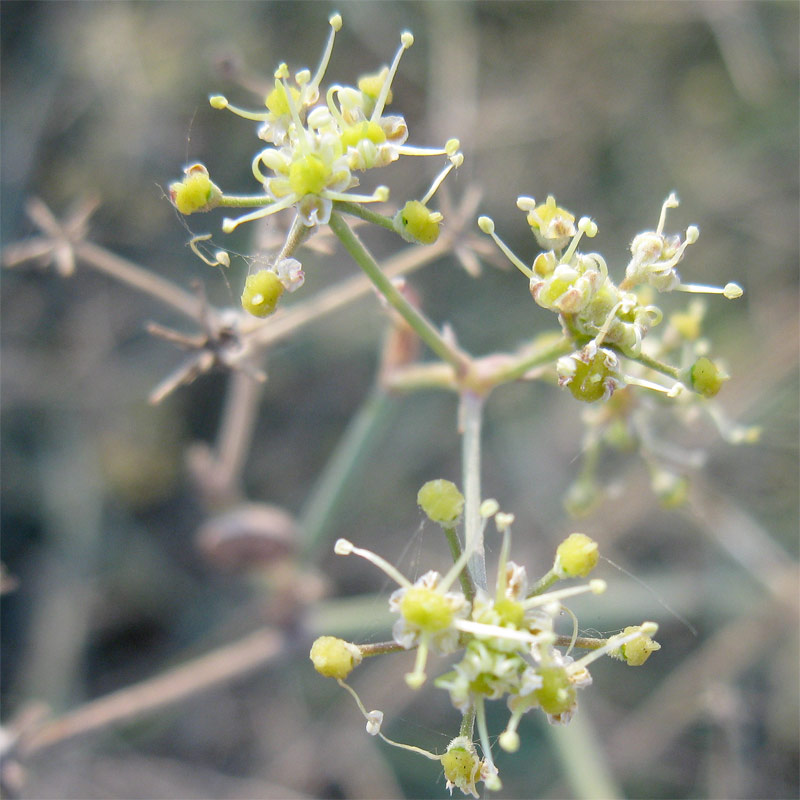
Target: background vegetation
(608, 105)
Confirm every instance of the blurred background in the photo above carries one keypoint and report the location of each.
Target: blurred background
(607, 105)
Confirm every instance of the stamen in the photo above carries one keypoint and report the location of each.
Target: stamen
(302, 133)
(509, 738)
(488, 508)
(585, 225)
(731, 291)
(374, 718)
(486, 224)
(411, 150)
(336, 25)
(455, 161)
(411, 747)
(416, 678)
(221, 257)
(406, 40)
(501, 564)
(574, 637)
(729, 430)
(692, 235)
(603, 332)
(343, 547)
(670, 202)
(229, 225)
(595, 586)
(483, 629)
(335, 113)
(220, 101)
(674, 391)
(492, 782)
(380, 195)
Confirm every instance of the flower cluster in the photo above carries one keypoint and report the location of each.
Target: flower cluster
(611, 328)
(318, 145)
(603, 318)
(510, 649)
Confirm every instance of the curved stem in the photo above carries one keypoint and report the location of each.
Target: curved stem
(655, 364)
(144, 280)
(319, 511)
(362, 212)
(455, 549)
(423, 328)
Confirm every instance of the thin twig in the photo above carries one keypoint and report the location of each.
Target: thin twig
(143, 280)
(224, 664)
(236, 429)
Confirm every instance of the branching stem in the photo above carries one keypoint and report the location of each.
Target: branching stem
(424, 329)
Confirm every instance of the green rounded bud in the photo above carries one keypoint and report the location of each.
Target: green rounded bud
(639, 650)
(706, 378)
(334, 658)
(589, 378)
(441, 501)
(261, 293)
(195, 192)
(416, 223)
(576, 556)
(556, 694)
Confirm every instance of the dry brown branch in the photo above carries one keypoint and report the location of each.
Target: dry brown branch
(172, 686)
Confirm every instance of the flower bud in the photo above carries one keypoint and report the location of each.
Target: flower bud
(195, 192)
(639, 650)
(334, 658)
(706, 378)
(589, 377)
(261, 293)
(417, 224)
(441, 501)
(576, 556)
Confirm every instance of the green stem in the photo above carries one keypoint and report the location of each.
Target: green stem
(319, 511)
(533, 359)
(543, 584)
(467, 723)
(579, 748)
(298, 233)
(455, 549)
(471, 413)
(362, 212)
(423, 328)
(244, 201)
(380, 649)
(583, 642)
(655, 364)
